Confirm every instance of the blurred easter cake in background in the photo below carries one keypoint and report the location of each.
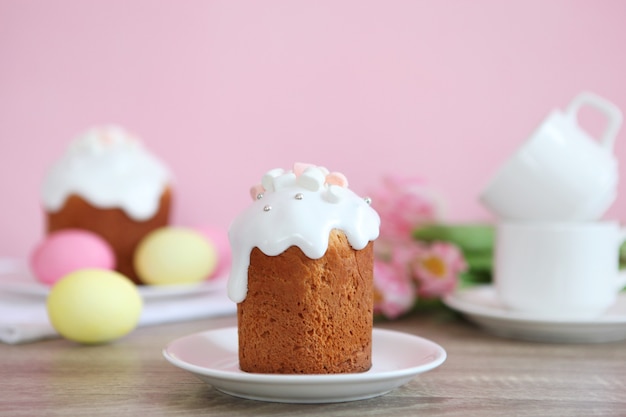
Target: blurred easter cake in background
(108, 183)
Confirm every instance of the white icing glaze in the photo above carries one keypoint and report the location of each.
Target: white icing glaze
(109, 168)
(296, 210)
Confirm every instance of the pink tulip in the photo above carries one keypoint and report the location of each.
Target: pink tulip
(436, 269)
(405, 269)
(403, 203)
(397, 291)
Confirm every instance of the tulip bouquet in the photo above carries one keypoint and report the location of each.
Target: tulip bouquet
(419, 259)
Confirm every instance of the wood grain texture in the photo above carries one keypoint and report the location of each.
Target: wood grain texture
(483, 376)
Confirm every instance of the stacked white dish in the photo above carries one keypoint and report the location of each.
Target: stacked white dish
(555, 258)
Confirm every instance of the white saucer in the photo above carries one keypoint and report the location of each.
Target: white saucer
(213, 357)
(17, 279)
(481, 305)
(150, 292)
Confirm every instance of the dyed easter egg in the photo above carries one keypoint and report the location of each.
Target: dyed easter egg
(94, 306)
(69, 250)
(219, 238)
(174, 255)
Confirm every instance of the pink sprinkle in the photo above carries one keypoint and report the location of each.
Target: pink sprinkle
(337, 178)
(256, 190)
(300, 167)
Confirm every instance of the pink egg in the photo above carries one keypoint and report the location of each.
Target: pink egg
(69, 250)
(219, 238)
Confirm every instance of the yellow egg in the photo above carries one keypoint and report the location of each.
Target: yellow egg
(94, 306)
(174, 255)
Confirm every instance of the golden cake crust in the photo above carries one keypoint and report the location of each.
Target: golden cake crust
(309, 316)
(122, 232)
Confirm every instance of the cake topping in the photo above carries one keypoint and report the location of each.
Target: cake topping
(299, 208)
(109, 168)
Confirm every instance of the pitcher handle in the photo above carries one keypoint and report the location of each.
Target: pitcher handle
(610, 110)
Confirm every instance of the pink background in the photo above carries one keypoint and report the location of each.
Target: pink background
(225, 90)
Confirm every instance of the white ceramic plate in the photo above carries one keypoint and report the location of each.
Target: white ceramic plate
(15, 278)
(213, 357)
(481, 305)
(147, 292)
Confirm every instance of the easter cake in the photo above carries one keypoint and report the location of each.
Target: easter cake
(302, 275)
(109, 184)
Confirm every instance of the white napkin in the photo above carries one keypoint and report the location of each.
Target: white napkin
(23, 316)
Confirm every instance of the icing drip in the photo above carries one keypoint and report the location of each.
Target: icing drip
(297, 208)
(110, 169)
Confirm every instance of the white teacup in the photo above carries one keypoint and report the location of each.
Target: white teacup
(560, 173)
(559, 270)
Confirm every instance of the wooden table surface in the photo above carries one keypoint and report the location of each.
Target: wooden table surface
(483, 376)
